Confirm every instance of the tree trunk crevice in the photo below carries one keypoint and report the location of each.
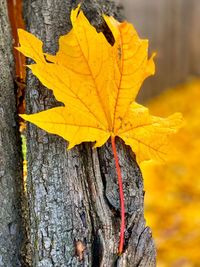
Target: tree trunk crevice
(11, 182)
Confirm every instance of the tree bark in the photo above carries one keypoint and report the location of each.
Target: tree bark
(10, 153)
(73, 196)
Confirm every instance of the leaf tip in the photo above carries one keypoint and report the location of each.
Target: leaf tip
(23, 116)
(75, 12)
(70, 145)
(150, 67)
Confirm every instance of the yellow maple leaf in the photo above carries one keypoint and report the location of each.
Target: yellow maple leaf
(98, 84)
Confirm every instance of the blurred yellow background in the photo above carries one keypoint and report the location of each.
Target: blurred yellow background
(172, 199)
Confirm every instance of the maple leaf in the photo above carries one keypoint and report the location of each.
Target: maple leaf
(98, 84)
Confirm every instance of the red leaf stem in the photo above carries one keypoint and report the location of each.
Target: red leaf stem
(121, 196)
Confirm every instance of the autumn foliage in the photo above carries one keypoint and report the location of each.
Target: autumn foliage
(98, 82)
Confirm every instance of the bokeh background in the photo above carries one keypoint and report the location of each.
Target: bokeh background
(172, 198)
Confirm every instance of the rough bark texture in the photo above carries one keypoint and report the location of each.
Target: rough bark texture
(173, 29)
(10, 156)
(73, 195)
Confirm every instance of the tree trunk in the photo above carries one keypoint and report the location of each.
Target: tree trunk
(10, 154)
(73, 195)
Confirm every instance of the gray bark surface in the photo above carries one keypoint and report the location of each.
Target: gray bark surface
(10, 154)
(74, 214)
